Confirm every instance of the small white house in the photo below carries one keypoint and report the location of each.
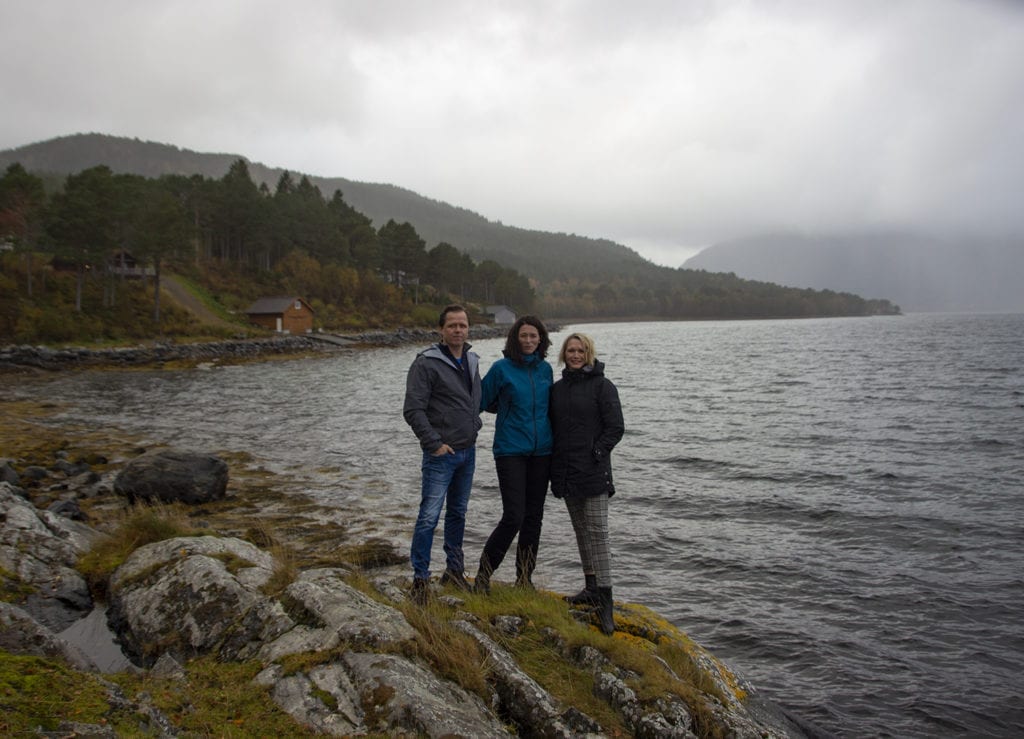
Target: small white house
(503, 315)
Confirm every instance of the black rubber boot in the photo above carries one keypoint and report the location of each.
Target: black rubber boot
(604, 611)
(526, 560)
(482, 581)
(587, 596)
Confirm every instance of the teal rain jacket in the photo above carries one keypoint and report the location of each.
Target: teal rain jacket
(518, 393)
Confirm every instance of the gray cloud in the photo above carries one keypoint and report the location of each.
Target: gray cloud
(663, 125)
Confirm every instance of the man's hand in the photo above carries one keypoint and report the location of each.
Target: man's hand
(443, 449)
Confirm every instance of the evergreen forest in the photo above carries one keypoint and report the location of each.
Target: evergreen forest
(83, 256)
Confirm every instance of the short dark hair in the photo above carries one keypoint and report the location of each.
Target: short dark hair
(453, 308)
(512, 349)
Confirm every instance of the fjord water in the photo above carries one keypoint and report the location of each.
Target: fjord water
(835, 507)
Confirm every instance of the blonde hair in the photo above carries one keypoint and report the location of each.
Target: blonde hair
(589, 352)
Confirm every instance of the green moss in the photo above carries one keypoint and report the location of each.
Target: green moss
(232, 562)
(40, 693)
(644, 645)
(216, 700)
(326, 698)
(292, 664)
(12, 588)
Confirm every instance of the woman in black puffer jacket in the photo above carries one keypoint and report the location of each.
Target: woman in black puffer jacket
(586, 422)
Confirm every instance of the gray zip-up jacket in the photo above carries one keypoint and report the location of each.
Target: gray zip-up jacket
(438, 405)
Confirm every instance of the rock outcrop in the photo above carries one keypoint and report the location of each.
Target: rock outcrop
(340, 661)
(40, 549)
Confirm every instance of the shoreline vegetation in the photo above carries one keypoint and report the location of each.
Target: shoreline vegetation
(108, 256)
(184, 353)
(531, 664)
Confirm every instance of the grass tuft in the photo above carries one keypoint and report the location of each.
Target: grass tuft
(453, 654)
(141, 525)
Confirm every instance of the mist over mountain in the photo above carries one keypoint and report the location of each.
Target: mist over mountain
(919, 273)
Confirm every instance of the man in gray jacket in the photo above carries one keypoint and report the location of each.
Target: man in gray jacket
(442, 405)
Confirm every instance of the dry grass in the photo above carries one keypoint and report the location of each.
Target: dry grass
(141, 525)
(453, 654)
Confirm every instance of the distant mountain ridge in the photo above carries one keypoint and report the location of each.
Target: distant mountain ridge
(917, 272)
(544, 255)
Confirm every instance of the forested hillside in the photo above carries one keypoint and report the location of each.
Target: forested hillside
(77, 259)
(66, 221)
(545, 256)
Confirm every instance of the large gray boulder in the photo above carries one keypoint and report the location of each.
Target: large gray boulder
(40, 549)
(184, 595)
(173, 476)
(413, 698)
(379, 694)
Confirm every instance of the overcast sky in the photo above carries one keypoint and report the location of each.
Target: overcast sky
(666, 126)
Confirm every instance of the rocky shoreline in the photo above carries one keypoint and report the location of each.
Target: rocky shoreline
(339, 659)
(27, 357)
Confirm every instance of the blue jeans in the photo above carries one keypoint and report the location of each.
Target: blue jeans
(447, 480)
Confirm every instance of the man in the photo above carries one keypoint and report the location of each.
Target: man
(442, 405)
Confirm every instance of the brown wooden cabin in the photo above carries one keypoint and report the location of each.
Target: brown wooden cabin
(283, 314)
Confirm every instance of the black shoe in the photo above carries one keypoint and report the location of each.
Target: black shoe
(419, 593)
(525, 583)
(586, 597)
(604, 611)
(456, 579)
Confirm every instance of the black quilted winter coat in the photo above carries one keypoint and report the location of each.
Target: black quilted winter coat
(586, 421)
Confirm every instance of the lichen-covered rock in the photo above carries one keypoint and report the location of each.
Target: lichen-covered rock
(184, 595)
(399, 694)
(667, 720)
(173, 476)
(522, 698)
(265, 621)
(40, 548)
(297, 695)
(327, 611)
(369, 693)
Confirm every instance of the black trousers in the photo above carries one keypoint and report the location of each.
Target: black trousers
(524, 487)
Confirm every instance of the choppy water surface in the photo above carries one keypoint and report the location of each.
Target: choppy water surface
(833, 506)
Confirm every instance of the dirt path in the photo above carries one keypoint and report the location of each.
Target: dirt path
(173, 288)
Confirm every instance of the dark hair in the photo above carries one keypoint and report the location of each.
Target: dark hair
(512, 350)
(453, 308)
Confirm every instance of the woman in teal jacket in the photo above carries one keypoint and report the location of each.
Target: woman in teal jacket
(516, 387)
